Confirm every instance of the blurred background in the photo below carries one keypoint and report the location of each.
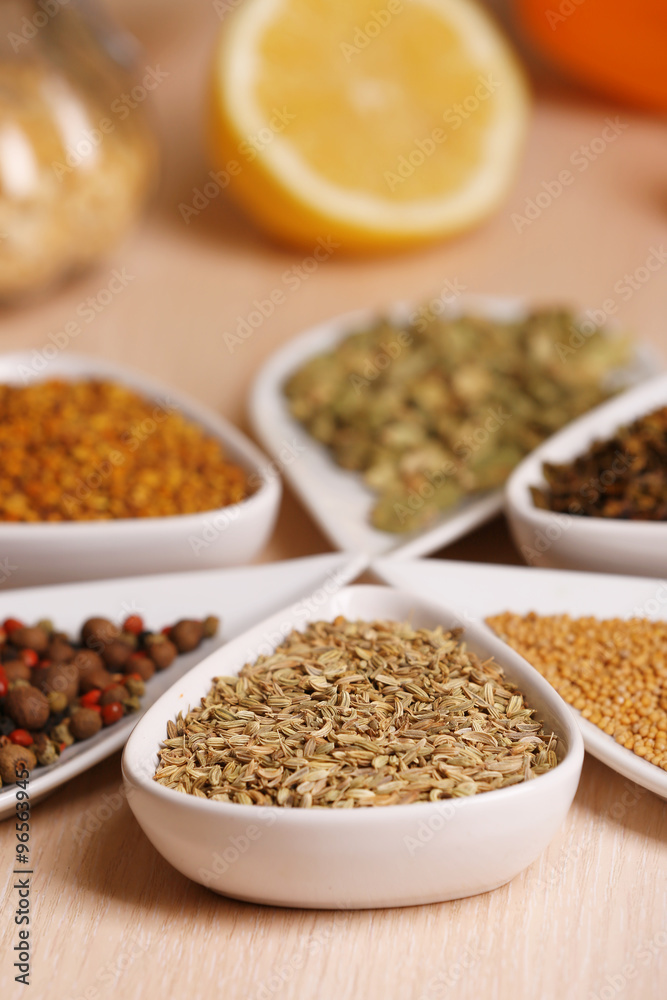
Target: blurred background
(176, 283)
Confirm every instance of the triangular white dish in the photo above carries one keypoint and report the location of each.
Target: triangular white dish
(339, 500)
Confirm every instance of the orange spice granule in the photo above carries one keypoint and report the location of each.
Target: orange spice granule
(95, 450)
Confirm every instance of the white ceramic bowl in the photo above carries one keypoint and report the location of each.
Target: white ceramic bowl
(349, 859)
(339, 500)
(83, 550)
(567, 541)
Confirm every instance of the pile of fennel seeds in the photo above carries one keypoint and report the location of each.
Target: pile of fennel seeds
(349, 714)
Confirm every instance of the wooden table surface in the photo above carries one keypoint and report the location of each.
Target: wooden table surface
(589, 918)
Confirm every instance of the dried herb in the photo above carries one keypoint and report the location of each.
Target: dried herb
(441, 408)
(350, 714)
(623, 477)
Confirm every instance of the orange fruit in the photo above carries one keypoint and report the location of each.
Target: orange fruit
(618, 47)
(378, 123)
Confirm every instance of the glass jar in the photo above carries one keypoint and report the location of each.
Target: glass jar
(77, 157)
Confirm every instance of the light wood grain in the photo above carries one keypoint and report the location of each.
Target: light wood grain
(589, 919)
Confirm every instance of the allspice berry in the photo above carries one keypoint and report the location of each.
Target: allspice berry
(116, 654)
(84, 723)
(142, 665)
(92, 679)
(92, 672)
(115, 693)
(17, 670)
(14, 758)
(162, 652)
(27, 706)
(98, 632)
(60, 678)
(31, 638)
(186, 635)
(86, 660)
(60, 651)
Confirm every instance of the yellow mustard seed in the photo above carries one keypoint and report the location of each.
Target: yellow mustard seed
(613, 671)
(95, 450)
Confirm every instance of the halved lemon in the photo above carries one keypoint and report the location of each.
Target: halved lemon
(374, 123)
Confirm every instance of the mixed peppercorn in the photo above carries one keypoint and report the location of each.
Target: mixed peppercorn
(54, 691)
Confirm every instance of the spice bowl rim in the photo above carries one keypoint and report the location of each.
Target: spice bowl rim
(570, 442)
(73, 365)
(148, 799)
